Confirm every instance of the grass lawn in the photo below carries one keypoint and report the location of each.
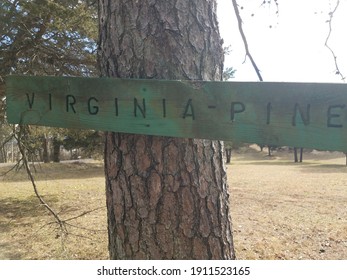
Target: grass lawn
(280, 210)
(71, 189)
(286, 210)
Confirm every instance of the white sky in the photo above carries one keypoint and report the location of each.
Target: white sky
(293, 49)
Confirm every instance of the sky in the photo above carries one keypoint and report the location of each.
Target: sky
(288, 46)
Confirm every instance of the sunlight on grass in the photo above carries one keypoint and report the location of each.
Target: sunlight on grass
(280, 209)
(27, 231)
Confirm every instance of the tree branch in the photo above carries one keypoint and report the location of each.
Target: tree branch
(331, 15)
(244, 39)
(62, 223)
(31, 177)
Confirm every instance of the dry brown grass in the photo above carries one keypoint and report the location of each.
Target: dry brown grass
(286, 210)
(280, 210)
(27, 230)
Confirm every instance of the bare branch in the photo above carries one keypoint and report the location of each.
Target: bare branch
(87, 229)
(31, 177)
(83, 214)
(244, 39)
(331, 15)
(18, 163)
(269, 2)
(17, 166)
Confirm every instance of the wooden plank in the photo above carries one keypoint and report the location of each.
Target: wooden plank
(279, 114)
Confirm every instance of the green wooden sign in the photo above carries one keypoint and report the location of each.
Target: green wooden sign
(280, 114)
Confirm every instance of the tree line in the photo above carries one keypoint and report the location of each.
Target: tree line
(45, 37)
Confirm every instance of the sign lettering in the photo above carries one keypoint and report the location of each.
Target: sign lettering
(277, 114)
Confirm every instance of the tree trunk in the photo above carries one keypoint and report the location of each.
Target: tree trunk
(3, 154)
(45, 154)
(167, 198)
(301, 153)
(56, 150)
(296, 154)
(228, 154)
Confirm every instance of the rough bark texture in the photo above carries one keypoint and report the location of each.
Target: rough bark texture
(167, 198)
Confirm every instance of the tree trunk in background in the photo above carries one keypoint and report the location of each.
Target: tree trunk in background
(167, 198)
(3, 156)
(269, 151)
(45, 154)
(301, 152)
(56, 150)
(228, 155)
(296, 154)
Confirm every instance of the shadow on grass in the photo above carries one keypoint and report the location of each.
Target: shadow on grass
(54, 171)
(7, 252)
(271, 161)
(18, 212)
(325, 168)
(16, 215)
(310, 166)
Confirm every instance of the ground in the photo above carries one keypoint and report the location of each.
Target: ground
(287, 210)
(75, 191)
(280, 209)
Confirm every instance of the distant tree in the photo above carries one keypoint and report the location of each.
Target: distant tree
(5, 138)
(47, 37)
(228, 73)
(269, 151)
(296, 159)
(228, 145)
(90, 142)
(228, 154)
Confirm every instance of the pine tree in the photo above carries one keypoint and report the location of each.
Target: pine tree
(167, 198)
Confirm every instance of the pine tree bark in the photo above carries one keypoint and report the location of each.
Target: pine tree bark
(167, 198)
